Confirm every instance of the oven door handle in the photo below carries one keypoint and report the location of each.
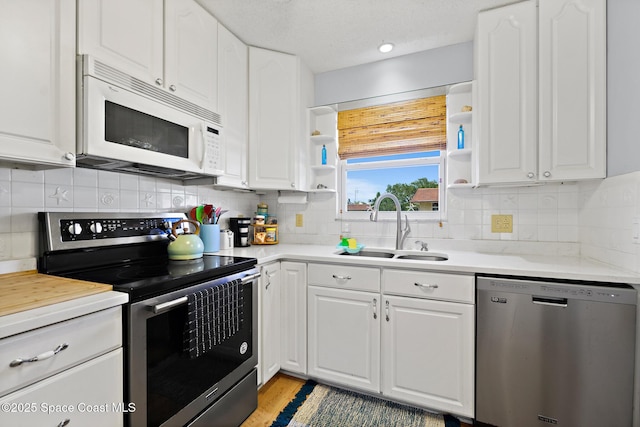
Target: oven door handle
(166, 306)
(250, 278)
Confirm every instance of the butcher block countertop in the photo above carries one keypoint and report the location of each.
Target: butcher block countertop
(31, 300)
(28, 289)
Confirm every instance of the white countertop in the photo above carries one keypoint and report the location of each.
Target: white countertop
(461, 262)
(558, 267)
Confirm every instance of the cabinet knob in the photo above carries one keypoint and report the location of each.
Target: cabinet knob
(293, 185)
(172, 88)
(546, 174)
(69, 156)
(159, 81)
(531, 175)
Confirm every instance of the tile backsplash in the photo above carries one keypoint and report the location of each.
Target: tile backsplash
(23, 193)
(594, 219)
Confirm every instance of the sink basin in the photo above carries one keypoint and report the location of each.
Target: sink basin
(424, 257)
(409, 255)
(366, 253)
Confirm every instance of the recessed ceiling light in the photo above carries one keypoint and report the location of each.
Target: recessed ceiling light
(385, 47)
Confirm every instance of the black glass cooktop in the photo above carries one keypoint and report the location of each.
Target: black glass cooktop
(142, 271)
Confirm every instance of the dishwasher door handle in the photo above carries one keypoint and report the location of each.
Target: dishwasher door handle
(555, 302)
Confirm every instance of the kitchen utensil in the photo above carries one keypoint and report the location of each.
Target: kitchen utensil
(192, 214)
(209, 214)
(200, 213)
(185, 246)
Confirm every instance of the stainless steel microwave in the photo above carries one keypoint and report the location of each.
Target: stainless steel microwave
(127, 125)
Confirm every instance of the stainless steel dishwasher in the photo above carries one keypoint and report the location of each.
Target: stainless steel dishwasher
(553, 353)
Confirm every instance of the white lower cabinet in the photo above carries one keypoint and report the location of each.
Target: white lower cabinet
(293, 299)
(89, 394)
(344, 337)
(406, 334)
(427, 353)
(428, 339)
(269, 349)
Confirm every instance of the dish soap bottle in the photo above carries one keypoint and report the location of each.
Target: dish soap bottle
(324, 154)
(460, 138)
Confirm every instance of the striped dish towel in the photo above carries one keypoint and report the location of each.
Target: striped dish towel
(213, 316)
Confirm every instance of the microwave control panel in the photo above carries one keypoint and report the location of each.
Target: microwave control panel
(213, 161)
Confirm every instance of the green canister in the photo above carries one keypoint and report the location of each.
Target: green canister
(263, 209)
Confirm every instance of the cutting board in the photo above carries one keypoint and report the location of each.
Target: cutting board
(26, 290)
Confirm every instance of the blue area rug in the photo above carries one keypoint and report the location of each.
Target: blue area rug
(318, 405)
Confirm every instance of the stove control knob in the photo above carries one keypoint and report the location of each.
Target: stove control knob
(75, 229)
(96, 228)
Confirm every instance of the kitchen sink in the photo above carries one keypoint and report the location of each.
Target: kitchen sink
(408, 255)
(366, 253)
(425, 257)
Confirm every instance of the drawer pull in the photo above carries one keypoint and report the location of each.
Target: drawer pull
(427, 286)
(386, 309)
(375, 308)
(42, 356)
(341, 277)
(64, 423)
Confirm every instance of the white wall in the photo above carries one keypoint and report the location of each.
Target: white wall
(437, 67)
(623, 86)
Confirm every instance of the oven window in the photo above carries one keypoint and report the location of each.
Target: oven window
(174, 378)
(135, 129)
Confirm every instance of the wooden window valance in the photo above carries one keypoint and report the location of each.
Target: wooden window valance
(400, 127)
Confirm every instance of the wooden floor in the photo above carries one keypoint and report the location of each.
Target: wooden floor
(274, 396)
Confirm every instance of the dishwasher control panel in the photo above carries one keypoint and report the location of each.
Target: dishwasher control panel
(591, 291)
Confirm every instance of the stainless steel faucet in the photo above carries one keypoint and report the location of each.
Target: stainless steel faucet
(401, 234)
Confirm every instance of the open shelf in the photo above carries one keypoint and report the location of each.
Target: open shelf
(323, 168)
(323, 119)
(323, 139)
(463, 117)
(465, 152)
(459, 162)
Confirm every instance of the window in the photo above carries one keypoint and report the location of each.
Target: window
(394, 148)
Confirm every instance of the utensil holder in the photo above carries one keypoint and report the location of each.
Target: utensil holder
(210, 235)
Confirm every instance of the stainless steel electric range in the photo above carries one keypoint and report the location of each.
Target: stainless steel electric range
(190, 328)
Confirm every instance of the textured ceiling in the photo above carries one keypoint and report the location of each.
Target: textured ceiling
(334, 34)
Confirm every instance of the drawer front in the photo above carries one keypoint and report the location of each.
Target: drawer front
(90, 394)
(345, 277)
(422, 284)
(87, 337)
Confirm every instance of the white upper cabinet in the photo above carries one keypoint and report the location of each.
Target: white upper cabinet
(541, 74)
(37, 106)
(507, 94)
(573, 98)
(233, 106)
(172, 47)
(273, 119)
(280, 91)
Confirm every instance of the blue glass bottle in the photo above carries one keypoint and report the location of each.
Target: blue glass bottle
(460, 138)
(324, 155)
